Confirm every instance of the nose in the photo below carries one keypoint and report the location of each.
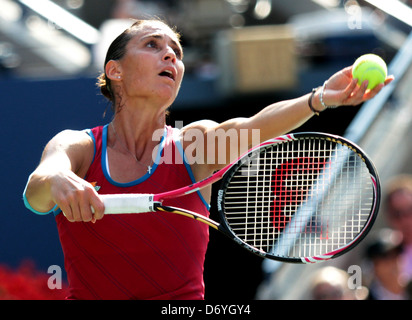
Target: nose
(170, 55)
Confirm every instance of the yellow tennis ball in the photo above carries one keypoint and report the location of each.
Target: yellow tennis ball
(370, 67)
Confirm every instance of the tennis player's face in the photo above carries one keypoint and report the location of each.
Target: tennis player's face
(400, 213)
(152, 66)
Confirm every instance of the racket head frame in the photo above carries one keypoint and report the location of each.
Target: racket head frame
(226, 228)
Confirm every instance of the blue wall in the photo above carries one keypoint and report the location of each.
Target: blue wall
(32, 112)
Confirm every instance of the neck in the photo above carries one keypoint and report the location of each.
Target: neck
(137, 132)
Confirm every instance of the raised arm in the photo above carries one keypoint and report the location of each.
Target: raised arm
(57, 179)
(281, 117)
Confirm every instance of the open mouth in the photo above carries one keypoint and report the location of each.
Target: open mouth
(167, 73)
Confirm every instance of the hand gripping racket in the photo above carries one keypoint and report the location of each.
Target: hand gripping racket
(303, 198)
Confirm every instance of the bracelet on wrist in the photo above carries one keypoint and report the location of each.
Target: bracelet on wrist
(310, 102)
(322, 92)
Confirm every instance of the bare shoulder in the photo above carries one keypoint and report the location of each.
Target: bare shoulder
(69, 139)
(194, 136)
(77, 145)
(194, 139)
(201, 125)
(195, 133)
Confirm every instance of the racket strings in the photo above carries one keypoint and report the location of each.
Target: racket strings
(300, 199)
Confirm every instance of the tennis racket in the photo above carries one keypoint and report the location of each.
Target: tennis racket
(302, 198)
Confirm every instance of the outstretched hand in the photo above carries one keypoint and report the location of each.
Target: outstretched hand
(342, 89)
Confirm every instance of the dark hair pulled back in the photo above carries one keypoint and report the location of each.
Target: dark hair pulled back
(116, 51)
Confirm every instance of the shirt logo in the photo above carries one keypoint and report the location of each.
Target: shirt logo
(95, 186)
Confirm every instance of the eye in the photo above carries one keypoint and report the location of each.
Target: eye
(178, 53)
(151, 44)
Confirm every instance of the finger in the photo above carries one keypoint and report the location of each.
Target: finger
(66, 210)
(77, 217)
(344, 97)
(347, 71)
(372, 93)
(352, 86)
(98, 208)
(96, 204)
(86, 214)
(358, 94)
(68, 214)
(388, 80)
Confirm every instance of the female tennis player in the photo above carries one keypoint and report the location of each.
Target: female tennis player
(149, 256)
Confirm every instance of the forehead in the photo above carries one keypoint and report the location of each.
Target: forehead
(157, 29)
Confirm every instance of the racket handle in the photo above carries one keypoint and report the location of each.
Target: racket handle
(128, 203)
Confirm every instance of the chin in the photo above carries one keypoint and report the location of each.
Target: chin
(168, 96)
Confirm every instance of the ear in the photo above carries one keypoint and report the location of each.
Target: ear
(113, 70)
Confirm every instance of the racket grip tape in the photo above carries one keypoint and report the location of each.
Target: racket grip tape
(128, 203)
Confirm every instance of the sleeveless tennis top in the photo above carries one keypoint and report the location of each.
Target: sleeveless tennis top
(138, 256)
